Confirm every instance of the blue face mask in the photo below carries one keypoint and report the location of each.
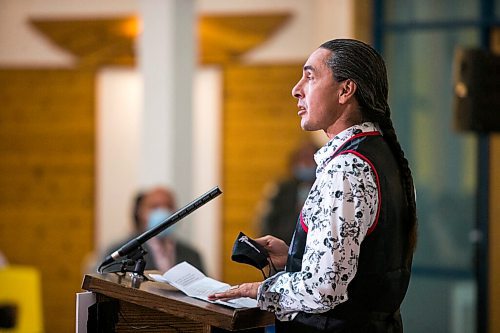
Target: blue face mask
(305, 174)
(156, 217)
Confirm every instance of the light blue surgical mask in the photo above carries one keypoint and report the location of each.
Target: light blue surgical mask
(156, 217)
(305, 174)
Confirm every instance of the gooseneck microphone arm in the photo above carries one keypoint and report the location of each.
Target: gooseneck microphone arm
(134, 244)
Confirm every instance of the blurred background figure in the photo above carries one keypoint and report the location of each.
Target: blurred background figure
(164, 251)
(277, 218)
(3, 260)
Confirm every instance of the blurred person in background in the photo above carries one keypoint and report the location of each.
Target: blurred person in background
(164, 251)
(3, 260)
(284, 199)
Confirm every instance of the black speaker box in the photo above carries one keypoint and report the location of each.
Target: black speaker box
(476, 91)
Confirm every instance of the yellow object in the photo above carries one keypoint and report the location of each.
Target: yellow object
(20, 286)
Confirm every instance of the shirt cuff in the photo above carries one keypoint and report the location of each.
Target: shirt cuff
(269, 300)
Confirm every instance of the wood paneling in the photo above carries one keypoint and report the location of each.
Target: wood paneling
(224, 38)
(363, 20)
(260, 129)
(47, 180)
(98, 41)
(94, 42)
(494, 232)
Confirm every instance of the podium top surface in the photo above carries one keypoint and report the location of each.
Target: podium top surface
(162, 297)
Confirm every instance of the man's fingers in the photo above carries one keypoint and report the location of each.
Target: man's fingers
(264, 241)
(232, 292)
(240, 290)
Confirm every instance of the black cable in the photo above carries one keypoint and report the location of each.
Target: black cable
(124, 263)
(103, 269)
(274, 267)
(271, 269)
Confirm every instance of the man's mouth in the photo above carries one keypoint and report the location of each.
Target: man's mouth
(302, 110)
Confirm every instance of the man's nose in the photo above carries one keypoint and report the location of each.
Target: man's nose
(297, 90)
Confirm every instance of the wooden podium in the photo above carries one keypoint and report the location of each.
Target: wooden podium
(124, 305)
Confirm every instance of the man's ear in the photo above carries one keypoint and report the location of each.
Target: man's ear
(348, 89)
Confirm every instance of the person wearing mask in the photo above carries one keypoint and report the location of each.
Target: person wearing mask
(163, 251)
(277, 218)
(348, 266)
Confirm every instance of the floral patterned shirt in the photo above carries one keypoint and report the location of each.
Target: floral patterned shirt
(340, 208)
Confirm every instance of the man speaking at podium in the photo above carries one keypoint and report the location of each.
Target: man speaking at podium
(348, 266)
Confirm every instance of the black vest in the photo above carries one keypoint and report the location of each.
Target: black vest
(383, 275)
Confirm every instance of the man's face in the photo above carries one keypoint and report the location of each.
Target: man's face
(317, 93)
(157, 198)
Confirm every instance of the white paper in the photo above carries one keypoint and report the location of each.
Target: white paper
(83, 301)
(195, 284)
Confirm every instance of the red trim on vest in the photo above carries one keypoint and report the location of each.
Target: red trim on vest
(302, 224)
(373, 133)
(364, 158)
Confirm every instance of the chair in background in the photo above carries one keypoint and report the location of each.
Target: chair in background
(20, 294)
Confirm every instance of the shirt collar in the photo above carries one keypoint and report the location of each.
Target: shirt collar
(324, 154)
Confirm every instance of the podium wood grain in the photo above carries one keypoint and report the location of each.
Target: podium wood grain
(154, 306)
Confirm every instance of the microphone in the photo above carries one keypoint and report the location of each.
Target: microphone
(136, 242)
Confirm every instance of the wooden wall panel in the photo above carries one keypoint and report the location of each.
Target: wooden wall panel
(363, 20)
(47, 181)
(494, 235)
(260, 129)
(494, 225)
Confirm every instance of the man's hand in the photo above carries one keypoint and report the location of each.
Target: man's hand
(241, 290)
(278, 250)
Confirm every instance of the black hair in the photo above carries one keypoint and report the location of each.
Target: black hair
(139, 198)
(359, 62)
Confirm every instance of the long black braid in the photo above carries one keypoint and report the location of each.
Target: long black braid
(359, 62)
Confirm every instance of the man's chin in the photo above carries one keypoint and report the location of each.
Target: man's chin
(303, 124)
(307, 126)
